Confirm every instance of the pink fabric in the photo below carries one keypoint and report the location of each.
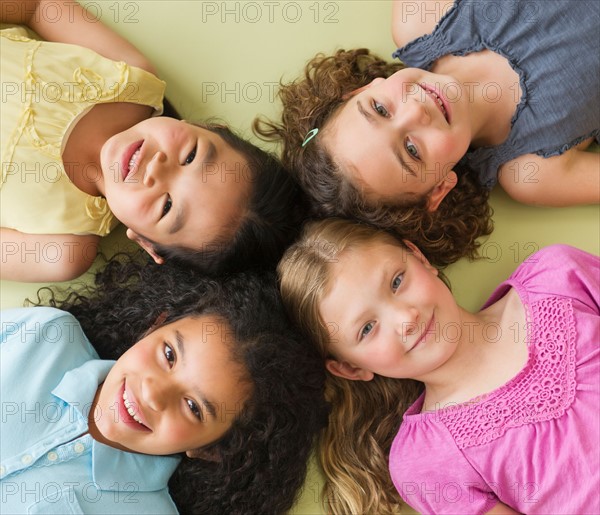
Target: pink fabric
(532, 444)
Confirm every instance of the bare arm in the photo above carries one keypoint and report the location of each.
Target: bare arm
(45, 257)
(411, 19)
(569, 179)
(67, 22)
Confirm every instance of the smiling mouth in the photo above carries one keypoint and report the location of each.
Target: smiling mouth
(130, 159)
(129, 413)
(424, 334)
(130, 410)
(439, 101)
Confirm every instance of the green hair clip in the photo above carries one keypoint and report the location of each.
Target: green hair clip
(310, 135)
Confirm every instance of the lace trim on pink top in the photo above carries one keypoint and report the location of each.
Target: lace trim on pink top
(543, 390)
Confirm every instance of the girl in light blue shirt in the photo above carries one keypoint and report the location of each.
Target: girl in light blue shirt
(210, 406)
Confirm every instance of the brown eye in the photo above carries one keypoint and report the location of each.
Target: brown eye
(191, 156)
(169, 354)
(194, 409)
(167, 207)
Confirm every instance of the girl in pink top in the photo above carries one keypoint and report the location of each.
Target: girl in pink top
(504, 409)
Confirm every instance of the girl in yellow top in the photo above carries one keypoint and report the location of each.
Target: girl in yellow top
(82, 148)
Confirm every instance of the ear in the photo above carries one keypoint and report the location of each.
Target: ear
(345, 370)
(420, 256)
(350, 94)
(146, 245)
(440, 190)
(211, 454)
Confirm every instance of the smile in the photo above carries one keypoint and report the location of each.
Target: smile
(424, 334)
(130, 159)
(129, 412)
(130, 409)
(438, 99)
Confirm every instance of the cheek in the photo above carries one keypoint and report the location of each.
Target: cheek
(141, 357)
(122, 205)
(179, 431)
(378, 355)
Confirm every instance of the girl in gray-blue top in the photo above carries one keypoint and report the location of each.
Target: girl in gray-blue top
(505, 91)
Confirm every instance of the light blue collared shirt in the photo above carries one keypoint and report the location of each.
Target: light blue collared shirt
(49, 374)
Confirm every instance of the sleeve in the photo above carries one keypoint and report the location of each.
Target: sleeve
(432, 475)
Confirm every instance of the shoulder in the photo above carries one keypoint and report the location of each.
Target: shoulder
(14, 320)
(16, 33)
(558, 258)
(44, 334)
(411, 20)
(561, 270)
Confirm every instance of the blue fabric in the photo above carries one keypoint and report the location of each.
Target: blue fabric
(554, 46)
(49, 374)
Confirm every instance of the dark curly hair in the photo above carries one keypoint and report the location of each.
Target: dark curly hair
(261, 461)
(444, 235)
(275, 211)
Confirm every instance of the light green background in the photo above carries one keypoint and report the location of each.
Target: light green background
(225, 59)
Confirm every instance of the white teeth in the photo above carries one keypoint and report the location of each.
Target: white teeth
(133, 159)
(130, 409)
(436, 98)
(440, 103)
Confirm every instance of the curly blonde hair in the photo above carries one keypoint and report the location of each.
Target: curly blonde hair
(364, 416)
(444, 235)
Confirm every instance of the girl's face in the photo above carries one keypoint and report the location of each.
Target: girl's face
(175, 390)
(387, 312)
(174, 183)
(399, 138)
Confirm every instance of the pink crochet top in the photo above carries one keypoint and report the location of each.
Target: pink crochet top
(534, 443)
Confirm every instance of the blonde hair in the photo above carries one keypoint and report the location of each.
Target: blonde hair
(365, 416)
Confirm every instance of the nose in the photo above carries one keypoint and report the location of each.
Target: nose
(155, 393)
(406, 320)
(413, 112)
(155, 168)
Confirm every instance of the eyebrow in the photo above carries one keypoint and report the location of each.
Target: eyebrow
(366, 114)
(208, 406)
(397, 153)
(211, 153)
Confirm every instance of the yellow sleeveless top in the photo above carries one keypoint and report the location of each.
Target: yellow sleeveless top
(46, 88)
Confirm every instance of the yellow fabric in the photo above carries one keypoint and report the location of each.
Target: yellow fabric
(46, 88)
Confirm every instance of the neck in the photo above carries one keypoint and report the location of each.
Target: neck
(491, 350)
(450, 379)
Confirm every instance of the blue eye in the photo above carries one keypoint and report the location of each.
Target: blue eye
(167, 207)
(366, 330)
(397, 282)
(169, 354)
(194, 409)
(380, 109)
(412, 149)
(191, 156)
